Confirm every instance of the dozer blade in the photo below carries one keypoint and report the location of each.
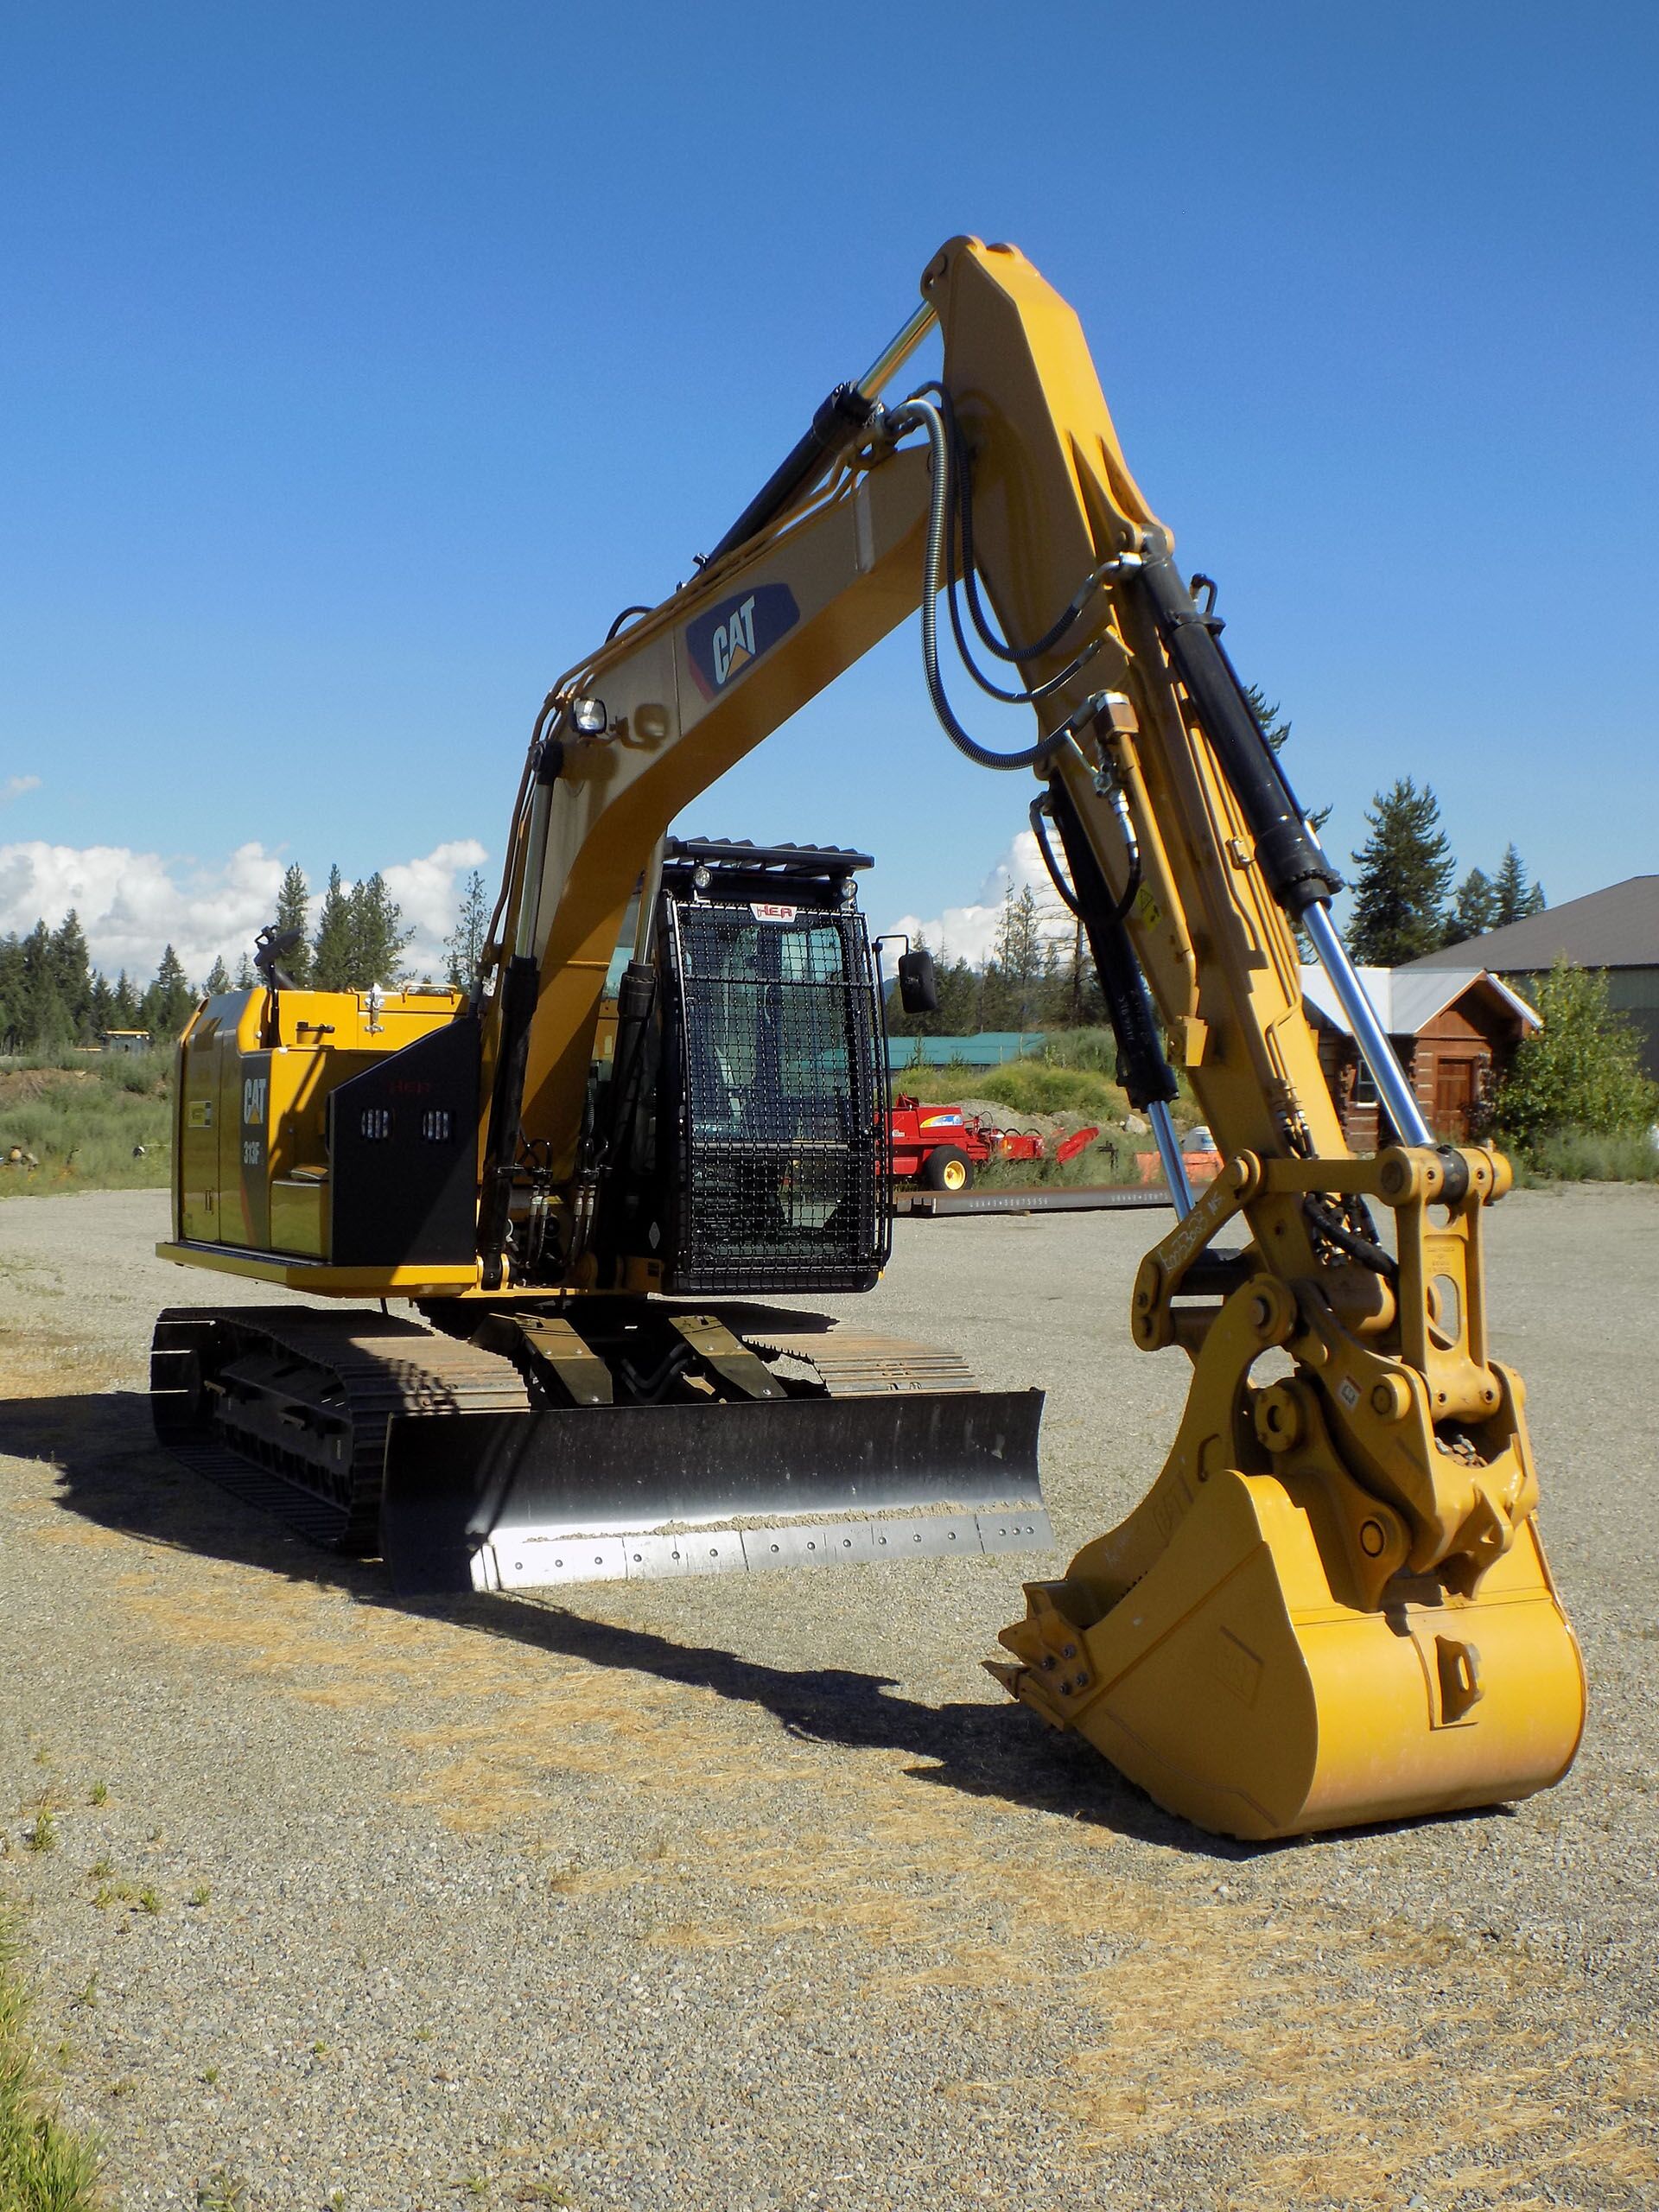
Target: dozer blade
(604, 1493)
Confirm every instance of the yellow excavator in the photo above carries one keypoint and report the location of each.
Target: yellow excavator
(666, 1101)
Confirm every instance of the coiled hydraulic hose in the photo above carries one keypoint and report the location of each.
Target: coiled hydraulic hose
(921, 414)
(964, 485)
(961, 529)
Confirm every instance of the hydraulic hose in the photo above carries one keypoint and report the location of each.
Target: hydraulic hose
(921, 415)
(964, 500)
(1068, 897)
(960, 528)
(995, 690)
(1039, 807)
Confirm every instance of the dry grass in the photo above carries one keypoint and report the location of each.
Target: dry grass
(1335, 2065)
(85, 1124)
(44, 2166)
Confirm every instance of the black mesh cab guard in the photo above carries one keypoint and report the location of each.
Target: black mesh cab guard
(774, 1105)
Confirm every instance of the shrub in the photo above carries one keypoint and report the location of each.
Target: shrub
(1581, 1071)
(1584, 1156)
(1083, 1048)
(1039, 1087)
(144, 1074)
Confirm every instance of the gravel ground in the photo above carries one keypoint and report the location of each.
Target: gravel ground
(755, 1893)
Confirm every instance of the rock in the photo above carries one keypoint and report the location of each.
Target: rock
(1136, 1126)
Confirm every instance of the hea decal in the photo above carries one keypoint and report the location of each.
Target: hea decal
(729, 638)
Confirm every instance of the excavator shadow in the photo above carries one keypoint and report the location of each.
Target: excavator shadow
(111, 1473)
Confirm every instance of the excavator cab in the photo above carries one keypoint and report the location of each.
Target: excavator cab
(757, 1158)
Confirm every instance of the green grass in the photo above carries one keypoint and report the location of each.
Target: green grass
(82, 1115)
(1073, 1074)
(1110, 1159)
(44, 2166)
(1582, 1156)
(1040, 1087)
(1048, 1085)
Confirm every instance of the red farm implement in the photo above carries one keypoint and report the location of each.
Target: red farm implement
(943, 1148)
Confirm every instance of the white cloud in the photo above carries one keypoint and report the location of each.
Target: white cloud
(969, 932)
(429, 891)
(16, 787)
(132, 904)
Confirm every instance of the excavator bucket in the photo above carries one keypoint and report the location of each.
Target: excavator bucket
(1241, 1685)
(515, 1501)
(1270, 1646)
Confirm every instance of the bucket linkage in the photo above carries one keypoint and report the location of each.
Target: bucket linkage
(1333, 1606)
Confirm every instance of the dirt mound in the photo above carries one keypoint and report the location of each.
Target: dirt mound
(19, 1084)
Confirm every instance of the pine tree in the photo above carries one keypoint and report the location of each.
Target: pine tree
(1405, 868)
(244, 977)
(126, 1011)
(11, 994)
(958, 1015)
(1474, 911)
(72, 972)
(333, 948)
(1266, 713)
(44, 1019)
(1514, 898)
(169, 1002)
(294, 912)
(1276, 728)
(218, 978)
(1018, 955)
(465, 944)
(378, 939)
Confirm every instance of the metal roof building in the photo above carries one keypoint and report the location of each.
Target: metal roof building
(1406, 1003)
(1616, 930)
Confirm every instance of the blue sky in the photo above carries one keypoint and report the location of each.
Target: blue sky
(359, 362)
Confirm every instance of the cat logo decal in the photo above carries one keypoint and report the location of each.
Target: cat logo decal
(731, 637)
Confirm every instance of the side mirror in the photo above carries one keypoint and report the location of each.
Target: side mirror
(271, 948)
(919, 987)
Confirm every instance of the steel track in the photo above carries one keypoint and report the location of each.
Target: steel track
(364, 1368)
